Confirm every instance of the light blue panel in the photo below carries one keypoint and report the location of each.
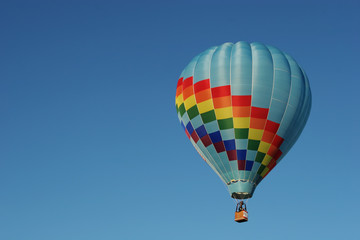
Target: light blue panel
(185, 118)
(227, 134)
(227, 174)
(295, 68)
(224, 157)
(234, 167)
(276, 111)
(247, 175)
(254, 170)
(202, 68)
(282, 85)
(212, 127)
(295, 104)
(242, 174)
(219, 168)
(189, 70)
(281, 88)
(241, 144)
(286, 121)
(196, 121)
(179, 116)
(220, 66)
(262, 75)
(299, 123)
(241, 69)
(250, 155)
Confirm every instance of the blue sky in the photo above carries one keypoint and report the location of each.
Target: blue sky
(90, 143)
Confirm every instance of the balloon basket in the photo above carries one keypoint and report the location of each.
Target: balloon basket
(241, 216)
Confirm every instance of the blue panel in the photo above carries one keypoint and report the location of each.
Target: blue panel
(201, 131)
(241, 154)
(229, 145)
(215, 137)
(249, 165)
(189, 128)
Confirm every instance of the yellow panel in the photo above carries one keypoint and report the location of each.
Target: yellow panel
(255, 134)
(243, 122)
(179, 100)
(264, 147)
(223, 113)
(189, 102)
(264, 172)
(205, 106)
(266, 160)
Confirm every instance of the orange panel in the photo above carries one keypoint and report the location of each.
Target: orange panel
(188, 92)
(222, 102)
(203, 96)
(257, 123)
(241, 111)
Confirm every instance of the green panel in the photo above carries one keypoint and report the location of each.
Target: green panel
(226, 123)
(261, 168)
(177, 108)
(193, 112)
(259, 157)
(208, 116)
(241, 133)
(253, 145)
(182, 109)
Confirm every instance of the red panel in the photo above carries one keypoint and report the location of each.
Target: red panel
(202, 85)
(194, 136)
(241, 164)
(267, 136)
(222, 102)
(203, 96)
(187, 133)
(232, 155)
(179, 87)
(219, 146)
(271, 126)
(221, 91)
(241, 101)
(206, 140)
(188, 82)
(272, 150)
(257, 112)
(271, 164)
(277, 141)
(277, 155)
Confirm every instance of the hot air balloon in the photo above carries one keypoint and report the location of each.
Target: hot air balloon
(243, 106)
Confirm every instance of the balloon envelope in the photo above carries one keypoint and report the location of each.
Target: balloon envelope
(243, 106)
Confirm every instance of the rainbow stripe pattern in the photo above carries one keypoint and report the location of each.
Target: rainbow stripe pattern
(243, 106)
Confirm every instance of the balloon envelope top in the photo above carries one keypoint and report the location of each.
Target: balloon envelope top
(243, 106)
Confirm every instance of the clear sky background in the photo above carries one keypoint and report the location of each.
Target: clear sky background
(90, 143)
